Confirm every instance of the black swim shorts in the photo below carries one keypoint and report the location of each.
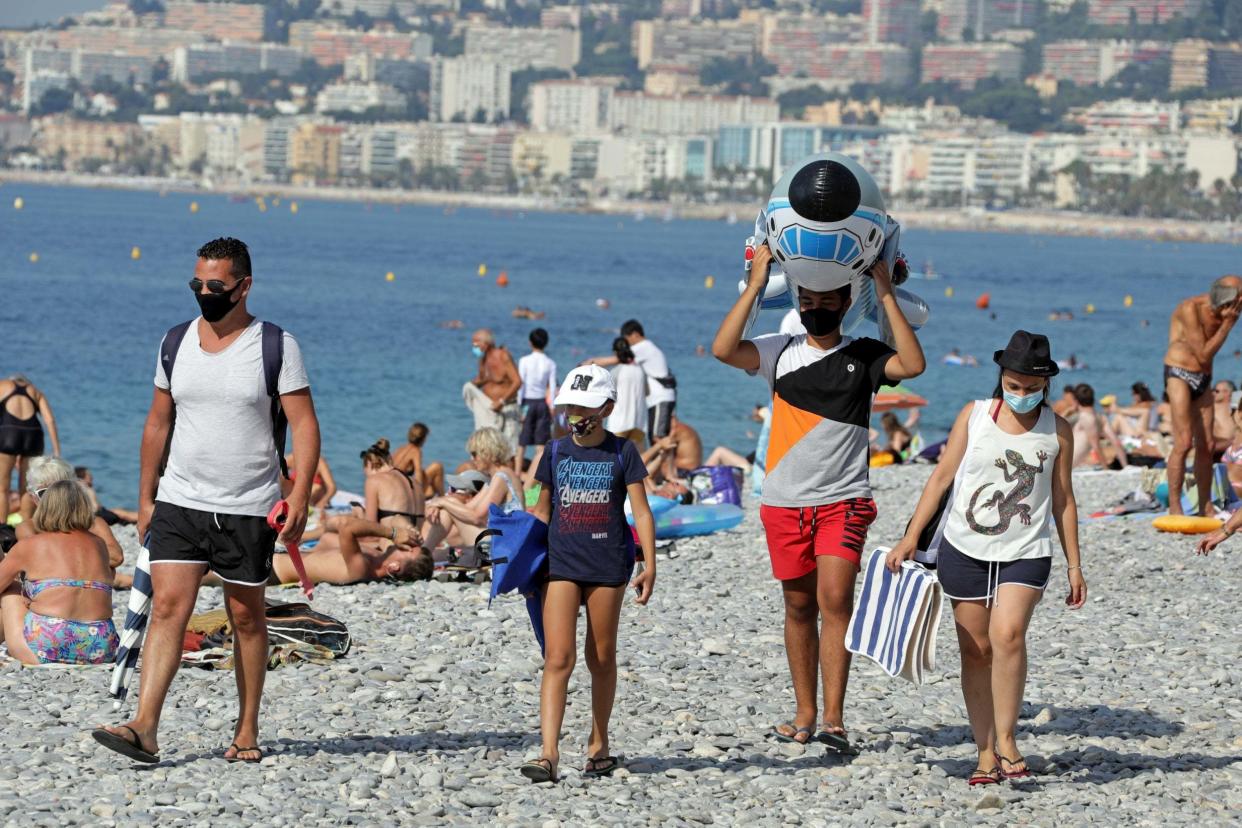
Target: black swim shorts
(536, 423)
(1199, 383)
(659, 421)
(238, 548)
(970, 579)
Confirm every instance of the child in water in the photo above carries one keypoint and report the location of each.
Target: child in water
(586, 477)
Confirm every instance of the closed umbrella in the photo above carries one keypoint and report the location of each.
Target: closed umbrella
(134, 630)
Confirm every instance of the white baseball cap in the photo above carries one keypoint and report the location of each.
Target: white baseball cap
(589, 386)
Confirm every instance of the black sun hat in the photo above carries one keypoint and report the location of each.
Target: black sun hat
(1027, 353)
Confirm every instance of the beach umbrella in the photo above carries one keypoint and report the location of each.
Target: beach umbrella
(134, 629)
(897, 397)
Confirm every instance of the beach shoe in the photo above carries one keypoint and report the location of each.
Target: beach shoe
(237, 757)
(836, 739)
(539, 770)
(1008, 774)
(601, 766)
(985, 777)
(800, 735)
(131, 749)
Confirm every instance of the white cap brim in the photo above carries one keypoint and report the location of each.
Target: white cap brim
(586, 399)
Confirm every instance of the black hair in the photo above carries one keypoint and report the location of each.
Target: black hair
(80, 472)
(1085, 394)
(621, 348)
(632, 326)
(234, 250)
(998, 393)
(539, 338)
(1140, 390)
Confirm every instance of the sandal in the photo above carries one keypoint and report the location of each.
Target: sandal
(539, 770)
(985, 777)
(601, 766)
(131, 749)
(836, 738)
(803, 732)
(1022, 774)
(236, 757)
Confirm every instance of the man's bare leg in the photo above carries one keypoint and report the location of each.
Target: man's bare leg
(1201, 423)
(244, 605)
(1184, 418)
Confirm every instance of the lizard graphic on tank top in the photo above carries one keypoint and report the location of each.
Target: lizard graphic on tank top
(1008, 505)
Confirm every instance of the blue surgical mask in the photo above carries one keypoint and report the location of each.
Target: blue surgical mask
(477, 351)
(1022, 404)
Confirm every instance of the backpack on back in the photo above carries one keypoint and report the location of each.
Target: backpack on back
(273, 360)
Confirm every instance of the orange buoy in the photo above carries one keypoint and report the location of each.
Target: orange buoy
(983, 301)
(502, 280)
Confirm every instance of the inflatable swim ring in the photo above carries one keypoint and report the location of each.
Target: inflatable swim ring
(659, 505)
(1186, 524)
(688, 521)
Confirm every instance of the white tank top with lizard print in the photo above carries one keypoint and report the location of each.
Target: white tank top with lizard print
(1002, 494)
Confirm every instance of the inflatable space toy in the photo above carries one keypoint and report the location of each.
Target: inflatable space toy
(827, 224)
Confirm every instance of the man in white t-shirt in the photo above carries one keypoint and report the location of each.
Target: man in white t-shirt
(208, 509)
(538, 374)
(661, 384)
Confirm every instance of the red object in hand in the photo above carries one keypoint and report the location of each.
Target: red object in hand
(750, 253)
(277, 518)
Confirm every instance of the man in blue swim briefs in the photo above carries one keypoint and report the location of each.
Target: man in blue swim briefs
(1197, 330)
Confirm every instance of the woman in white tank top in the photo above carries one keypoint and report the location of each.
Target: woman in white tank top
(1006, 472)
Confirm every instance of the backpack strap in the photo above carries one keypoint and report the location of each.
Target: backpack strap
(273, 360)
(169, 348)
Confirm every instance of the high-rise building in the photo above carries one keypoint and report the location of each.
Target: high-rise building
(577, 107)
(1143, 12)
(1093, 62)
(358, 96)
(845, 64)
(965, 64)
(892, 21)
(980, 18)
(524, 48)
(561, 17)
(1207, 65)
(219, 20)
(462, 88)
(786, 39)
(692, 43)
(331, 43)
(639, 112)
(191, 64)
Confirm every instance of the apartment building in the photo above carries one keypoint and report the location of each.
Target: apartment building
(463, 87)
(965, 64)
(892, 21)
(692, 43)
(1094, 62)
(219, 20)
(1207, 65)
(638, 112)
(359, 96)
(979, 19)
(580, 107)
(1143, 12)
(192, 64)
(330, 43)
(80, 141)
(522, 48)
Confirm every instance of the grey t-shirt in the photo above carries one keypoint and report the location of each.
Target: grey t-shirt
(222, 458)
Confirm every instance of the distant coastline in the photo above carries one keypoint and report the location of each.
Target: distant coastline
(1049, 222)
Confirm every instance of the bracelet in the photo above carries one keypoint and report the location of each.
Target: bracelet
(393, 537)
(1068, 568)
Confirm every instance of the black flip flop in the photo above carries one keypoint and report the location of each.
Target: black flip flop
(240, 750)
(538, 770)
(132, 750)
(1025, 773)
(601, 766)
(836, 739)
(798, 731)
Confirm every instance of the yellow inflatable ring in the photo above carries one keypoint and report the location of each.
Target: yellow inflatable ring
(883, 458)
(1186, 524)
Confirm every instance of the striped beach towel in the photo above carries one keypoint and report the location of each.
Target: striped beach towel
(897, 618)
(134, 629)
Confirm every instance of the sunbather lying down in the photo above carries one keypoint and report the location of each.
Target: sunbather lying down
(359, 552)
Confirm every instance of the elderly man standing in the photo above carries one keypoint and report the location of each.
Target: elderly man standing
(492, 395)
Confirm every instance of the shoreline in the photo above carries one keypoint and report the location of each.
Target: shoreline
(1046, 222)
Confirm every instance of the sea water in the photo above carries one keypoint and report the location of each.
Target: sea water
(84, 322)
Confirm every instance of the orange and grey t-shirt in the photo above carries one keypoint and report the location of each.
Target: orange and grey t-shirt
(821, 406)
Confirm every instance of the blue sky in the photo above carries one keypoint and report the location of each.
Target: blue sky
(26, 12)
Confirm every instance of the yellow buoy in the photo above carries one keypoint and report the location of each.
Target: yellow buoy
(390, 276)
(262, 207)
(1129, 301)
(275, 202)
(34, 257)
(482, 270)
(948, 292)
(1090, 308)
(293, 207)
(193, 206)
(709, 282)
(135, 253)
(19, 203)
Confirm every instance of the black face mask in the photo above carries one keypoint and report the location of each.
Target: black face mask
(821, 321)
(216, 306)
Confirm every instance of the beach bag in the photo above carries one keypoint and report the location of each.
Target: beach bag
(713, 485)
(298, 623)
(897, 618)
(519, 552)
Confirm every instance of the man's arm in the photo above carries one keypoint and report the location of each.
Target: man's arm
(304, 425)
(510, 380)
(909, 360)
(154, 439)
(728, 346)
(1229, 316)
(603, 361)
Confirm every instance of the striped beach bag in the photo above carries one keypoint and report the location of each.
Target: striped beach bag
(897, 618)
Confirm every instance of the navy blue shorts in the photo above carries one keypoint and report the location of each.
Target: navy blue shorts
(970, 579)
(536, 423)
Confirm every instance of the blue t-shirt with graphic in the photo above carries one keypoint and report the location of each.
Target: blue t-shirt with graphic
(588, 538)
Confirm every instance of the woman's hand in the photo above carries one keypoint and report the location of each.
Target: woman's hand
(1211, 542)
(1077, 590)
(904, 550)
(644, 582)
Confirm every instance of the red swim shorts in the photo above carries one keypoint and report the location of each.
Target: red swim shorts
(797, 536)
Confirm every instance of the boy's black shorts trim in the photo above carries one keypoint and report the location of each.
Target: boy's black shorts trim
(237, 548)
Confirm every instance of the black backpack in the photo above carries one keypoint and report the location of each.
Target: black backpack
(273, 359)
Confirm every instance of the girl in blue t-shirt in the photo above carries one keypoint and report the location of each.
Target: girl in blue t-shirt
(585, 479)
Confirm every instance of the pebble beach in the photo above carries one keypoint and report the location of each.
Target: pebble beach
(1131, 714)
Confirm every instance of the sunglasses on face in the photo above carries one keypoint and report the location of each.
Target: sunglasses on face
(37, 494)
(215, 286)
